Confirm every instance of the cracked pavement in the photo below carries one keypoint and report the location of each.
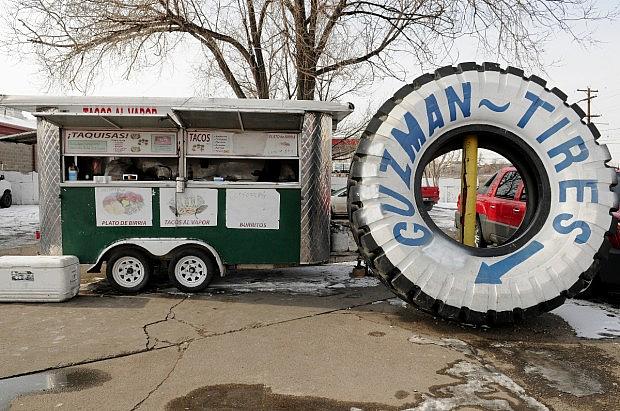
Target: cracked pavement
(350, 348)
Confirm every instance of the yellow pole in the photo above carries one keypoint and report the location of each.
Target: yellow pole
(470, 185)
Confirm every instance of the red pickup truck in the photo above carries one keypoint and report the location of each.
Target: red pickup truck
(500, 209)
(430, 196)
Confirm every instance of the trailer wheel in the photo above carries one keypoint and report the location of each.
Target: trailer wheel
(6, 200)
(128, 270)
(191, 270)
(554, 253)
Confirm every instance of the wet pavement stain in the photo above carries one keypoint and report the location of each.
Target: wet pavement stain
(260, 397)
(564, 376)
(401, 394)
(49, 382)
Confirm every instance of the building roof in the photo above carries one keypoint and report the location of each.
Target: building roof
(27, 137)
(10, 124)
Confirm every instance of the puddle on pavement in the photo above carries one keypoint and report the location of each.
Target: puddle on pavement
(564, 376)
(260, 397)
(49, 382)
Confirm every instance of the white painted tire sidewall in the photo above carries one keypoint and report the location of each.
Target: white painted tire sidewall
(442, 268)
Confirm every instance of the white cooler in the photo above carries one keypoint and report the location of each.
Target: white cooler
(39, 278)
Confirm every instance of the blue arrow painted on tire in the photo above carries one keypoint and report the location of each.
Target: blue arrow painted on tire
(492, 274)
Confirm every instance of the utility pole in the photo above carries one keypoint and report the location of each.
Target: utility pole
(589, 99)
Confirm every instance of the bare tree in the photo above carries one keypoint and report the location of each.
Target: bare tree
(437, 167)
(304, 49)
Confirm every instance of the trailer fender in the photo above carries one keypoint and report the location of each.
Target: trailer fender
(158, 247)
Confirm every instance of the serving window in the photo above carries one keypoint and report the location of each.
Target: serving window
(120, 155)
(245, 156)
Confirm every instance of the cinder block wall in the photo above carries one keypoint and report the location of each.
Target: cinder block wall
(17, 157)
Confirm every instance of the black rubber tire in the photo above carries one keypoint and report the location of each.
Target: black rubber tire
(202, 260)
(130, 253)
(400, 269)
(428, 206)
(6, 200)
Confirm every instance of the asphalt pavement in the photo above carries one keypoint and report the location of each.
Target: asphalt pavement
(328, 342)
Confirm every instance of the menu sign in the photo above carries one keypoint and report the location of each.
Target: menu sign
(278, 144)
(209, 142)
(248, 143)
(257, 209)
(123, 207)
(119, 142)
(194, 207)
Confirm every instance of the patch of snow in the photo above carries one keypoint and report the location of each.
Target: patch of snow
(478, 382)
(397, 302)
(589, 319)
(315, 280)
(451, 343)
(442, 215)
(18, 224)
(477, 386)
(448, 206)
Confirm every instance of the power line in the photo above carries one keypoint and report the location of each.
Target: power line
(589, 99)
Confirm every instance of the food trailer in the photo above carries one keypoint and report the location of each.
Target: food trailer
(195, 184)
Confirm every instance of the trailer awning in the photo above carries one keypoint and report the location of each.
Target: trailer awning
(83, 120)
(240, 119)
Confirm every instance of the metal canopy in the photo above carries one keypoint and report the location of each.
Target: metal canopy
(80, 120)
(249, 119)
(163, 105)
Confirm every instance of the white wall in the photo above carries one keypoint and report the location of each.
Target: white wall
(24, 186)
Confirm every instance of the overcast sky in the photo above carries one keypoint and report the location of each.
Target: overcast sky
(573, 68)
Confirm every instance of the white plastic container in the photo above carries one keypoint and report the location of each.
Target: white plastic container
(39, 278)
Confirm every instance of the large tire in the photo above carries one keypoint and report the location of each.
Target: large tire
(128, 270)
(191, 270)
(552, 255)
(6, 200)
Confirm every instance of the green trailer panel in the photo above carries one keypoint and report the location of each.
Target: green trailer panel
(81, 236)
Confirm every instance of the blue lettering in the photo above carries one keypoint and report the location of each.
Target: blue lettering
(413, 242)
(408, 212)
(435, 119)
(404, 174)
(570, 158)
(413, 138)
(580, 185)
(536, 103)
(575, 225)
(453, 101)
(552, 130)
